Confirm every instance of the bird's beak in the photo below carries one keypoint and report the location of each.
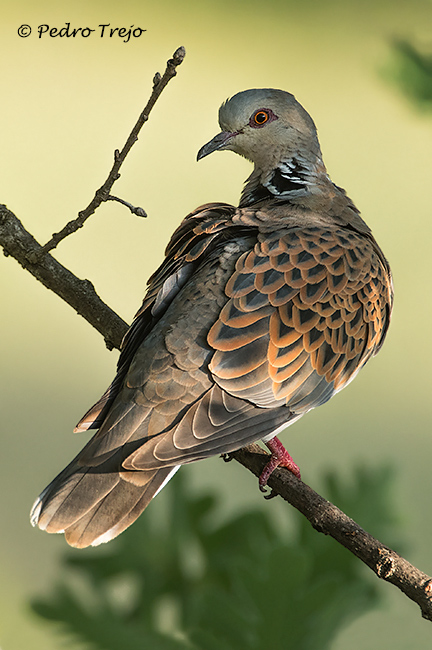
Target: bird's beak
(218, 142)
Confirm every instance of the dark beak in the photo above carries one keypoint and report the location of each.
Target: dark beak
(216, 143)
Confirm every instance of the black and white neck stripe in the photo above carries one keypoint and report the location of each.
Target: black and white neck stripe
(291, 178)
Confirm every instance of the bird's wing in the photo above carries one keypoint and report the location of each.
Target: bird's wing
(306, 309)
(187, 245)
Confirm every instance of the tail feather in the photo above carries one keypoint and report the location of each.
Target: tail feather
(159, 480)
(67, 503)
(91, 507)
(111, 509)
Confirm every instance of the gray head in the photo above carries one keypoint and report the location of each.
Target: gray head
(265, 126)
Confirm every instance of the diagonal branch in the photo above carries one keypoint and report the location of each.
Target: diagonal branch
(79, 294)
(103, 193)
(328, 519)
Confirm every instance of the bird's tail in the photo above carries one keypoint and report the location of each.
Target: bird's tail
(92, 505)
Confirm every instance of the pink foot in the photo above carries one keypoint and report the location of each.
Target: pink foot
(279, 458)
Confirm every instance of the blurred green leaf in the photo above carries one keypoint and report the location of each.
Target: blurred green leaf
(411, 70)
(184, 583)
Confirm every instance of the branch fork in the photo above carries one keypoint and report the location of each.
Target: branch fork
(103, 193)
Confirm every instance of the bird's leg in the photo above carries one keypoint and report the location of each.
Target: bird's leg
(279, 458)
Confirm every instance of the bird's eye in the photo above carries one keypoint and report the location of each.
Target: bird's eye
(260, 117)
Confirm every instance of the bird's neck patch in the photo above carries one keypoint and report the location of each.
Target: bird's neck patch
(289, 176)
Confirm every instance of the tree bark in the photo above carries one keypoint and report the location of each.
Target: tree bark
(79, 294)
(328, 519)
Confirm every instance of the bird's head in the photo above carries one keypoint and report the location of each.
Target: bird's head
(265, 126)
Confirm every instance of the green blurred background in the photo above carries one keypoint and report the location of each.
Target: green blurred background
(66, 105)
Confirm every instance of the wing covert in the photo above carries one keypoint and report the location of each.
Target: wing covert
(307, 308)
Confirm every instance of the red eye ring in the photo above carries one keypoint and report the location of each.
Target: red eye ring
(260, 118)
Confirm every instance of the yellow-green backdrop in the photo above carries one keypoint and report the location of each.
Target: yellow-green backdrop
(66, 104)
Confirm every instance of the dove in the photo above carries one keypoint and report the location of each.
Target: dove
(258, 314)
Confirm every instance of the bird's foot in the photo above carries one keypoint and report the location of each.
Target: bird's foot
(279, 458)
(227, 458)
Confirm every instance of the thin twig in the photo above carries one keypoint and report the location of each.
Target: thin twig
(103, 193)
(328, 519)
(135, 210)
(79, 294)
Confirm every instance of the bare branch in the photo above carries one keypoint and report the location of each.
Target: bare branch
(135, 210)
(103, 193)
(79, 294)
(328, 519)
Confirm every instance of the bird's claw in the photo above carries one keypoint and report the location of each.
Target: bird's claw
(272, 495)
